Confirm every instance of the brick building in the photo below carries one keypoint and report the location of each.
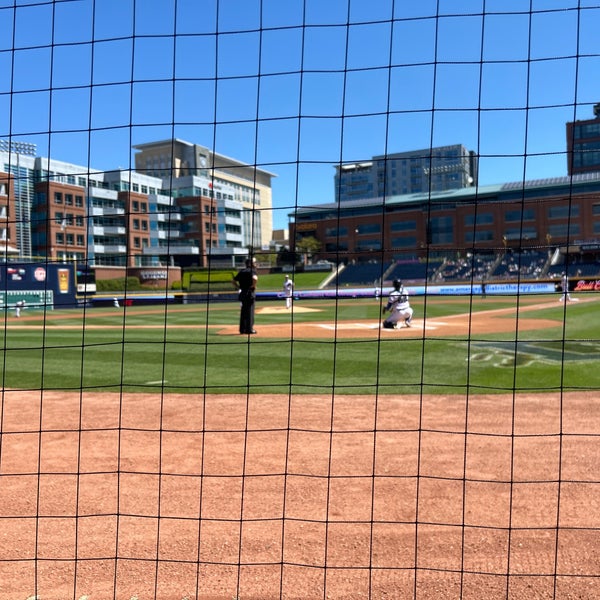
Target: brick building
(583, 144)
(561, 212)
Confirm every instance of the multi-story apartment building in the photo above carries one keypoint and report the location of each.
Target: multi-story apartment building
(429, 170)
(62, 211)
(583, 144)
(19, 161)
(174, 158)
(211, 215)
(550, 213)
(6, 223)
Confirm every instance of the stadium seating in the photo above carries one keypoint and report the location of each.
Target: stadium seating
(354, 274)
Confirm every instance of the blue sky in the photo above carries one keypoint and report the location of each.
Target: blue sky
(297, 86)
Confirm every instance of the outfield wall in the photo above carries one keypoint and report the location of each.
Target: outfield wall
(466, 289)
(39, 285)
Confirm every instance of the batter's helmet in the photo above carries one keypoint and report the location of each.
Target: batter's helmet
(397, 284)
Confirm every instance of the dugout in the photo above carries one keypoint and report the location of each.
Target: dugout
(40, 285)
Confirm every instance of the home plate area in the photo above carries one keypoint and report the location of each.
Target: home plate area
(349, 326)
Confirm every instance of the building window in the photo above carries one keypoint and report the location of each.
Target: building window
(341, 247)
(79, 201)
(587, 130)
(564, 230)
(58, 198)
(69, 199)
(368, 245)
(336, 232)
(70, 239)
(441, 230)
(521, 233)
(136, 242)
(60, 239)
(79, 220)
(562, 212)
(144, 207)
(404, 242)
(516, 216)
(482, 219)
(135, 206)
(80, 240)
(484, 235)
(368, 228)
(144, 225)
(403, 226)
(136, 224)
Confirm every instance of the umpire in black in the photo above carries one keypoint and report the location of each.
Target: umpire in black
(245, 281)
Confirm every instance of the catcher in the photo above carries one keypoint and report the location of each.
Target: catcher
(398, 306)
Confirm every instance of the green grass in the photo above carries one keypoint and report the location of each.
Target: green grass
(175, 351)
(311, 280)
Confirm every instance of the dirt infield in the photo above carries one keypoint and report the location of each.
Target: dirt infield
(489, 321)
(259, 497)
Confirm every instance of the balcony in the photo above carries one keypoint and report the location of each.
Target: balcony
(108, 230)
(174, 249)
(107, 211)
(113, 249)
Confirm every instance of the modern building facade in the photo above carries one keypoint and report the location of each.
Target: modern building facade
(583, 144)
(7, 200)
(172, 159)
(124, 218)
(561, 212)
(418, 171)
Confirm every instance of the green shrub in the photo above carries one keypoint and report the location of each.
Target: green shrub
(118, 285)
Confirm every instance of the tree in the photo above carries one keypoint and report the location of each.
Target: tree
(286, 257)
(308, 246)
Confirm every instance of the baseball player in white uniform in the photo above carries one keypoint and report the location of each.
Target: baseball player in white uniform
(398, 306)
(288, 291)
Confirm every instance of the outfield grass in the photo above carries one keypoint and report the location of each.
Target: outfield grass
(309, 280)
(172, 349)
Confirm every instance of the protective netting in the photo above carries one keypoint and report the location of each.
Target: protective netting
(148, 451)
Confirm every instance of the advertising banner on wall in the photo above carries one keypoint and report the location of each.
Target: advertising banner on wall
(466, 289)
(40, 285)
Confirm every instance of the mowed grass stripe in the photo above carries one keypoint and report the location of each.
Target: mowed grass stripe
(179, 348)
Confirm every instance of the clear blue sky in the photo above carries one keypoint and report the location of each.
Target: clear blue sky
(297, 86)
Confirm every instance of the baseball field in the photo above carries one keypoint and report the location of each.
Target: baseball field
(153, 452)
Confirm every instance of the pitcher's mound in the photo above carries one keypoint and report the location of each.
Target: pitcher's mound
(275, 310)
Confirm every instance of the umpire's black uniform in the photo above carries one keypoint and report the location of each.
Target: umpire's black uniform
(246, 280)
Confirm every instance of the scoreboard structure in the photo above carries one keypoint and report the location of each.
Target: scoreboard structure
(38, 285)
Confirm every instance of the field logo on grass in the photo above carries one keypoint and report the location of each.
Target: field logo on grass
(523, 353)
